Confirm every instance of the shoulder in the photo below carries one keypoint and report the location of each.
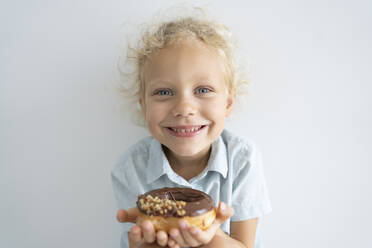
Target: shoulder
(135, 157)
(241, 151)
(239, 146)
(129, 174)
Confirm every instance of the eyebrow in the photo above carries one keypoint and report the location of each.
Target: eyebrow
(194, 78)
(157, 81)
(202, 77)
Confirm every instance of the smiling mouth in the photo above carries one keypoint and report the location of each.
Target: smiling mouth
(186, 131)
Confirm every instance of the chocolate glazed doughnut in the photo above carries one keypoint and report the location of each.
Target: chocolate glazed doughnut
(164, 207)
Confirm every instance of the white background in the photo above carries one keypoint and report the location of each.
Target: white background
(62, 128)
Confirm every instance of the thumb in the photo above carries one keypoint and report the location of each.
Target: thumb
(129, 215)
(224, 212)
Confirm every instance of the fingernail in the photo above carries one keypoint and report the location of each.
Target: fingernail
(183, 225)
(223, 206)
(193, 230)
(174, 233)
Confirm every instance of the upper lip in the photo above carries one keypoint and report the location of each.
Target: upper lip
(186, 126)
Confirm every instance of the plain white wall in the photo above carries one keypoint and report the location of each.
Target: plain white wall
(62, 128)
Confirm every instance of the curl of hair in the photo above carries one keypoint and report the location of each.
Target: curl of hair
(192, 24)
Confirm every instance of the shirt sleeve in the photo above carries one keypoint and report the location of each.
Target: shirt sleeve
(250, 195)
(124, 197)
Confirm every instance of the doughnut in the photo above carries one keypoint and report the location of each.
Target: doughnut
(166, 206)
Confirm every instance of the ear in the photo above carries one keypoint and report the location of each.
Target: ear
(230, 103)
(141, 104)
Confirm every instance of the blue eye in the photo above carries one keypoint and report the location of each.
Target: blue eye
(163, 93)
(203, 90)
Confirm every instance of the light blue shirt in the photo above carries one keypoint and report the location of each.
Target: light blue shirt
(234, 175)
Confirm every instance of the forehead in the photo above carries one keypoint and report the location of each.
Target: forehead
(184, 61)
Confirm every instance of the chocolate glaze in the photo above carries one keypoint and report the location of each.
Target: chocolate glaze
(197, 202)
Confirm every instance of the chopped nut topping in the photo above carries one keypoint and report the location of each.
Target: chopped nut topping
(155, 205)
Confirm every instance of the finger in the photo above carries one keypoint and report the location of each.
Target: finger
(162, 238)
(187, 236)
(224, 212)
(204, 237)
(176, 236)
(129, 215)
(135, 234)
(148, 231)
(171, 242)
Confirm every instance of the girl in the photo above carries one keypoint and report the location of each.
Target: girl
(186, 87)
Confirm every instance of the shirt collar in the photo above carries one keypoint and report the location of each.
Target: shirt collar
(156, 157)
(217, 161)
(218, 157)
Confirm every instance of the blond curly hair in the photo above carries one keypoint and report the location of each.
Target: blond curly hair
(158, 35)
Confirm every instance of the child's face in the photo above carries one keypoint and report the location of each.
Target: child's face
(186, 98)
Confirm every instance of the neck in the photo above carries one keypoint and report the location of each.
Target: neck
(188, 166)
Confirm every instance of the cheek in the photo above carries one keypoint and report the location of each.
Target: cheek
(215, 109)
(217, 115)
(154, 113)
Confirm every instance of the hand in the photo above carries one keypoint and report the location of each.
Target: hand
(189, 236)
(141, 232)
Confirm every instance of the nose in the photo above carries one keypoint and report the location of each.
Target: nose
(184, 107)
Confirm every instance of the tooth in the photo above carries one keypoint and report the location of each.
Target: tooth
(194, 129)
